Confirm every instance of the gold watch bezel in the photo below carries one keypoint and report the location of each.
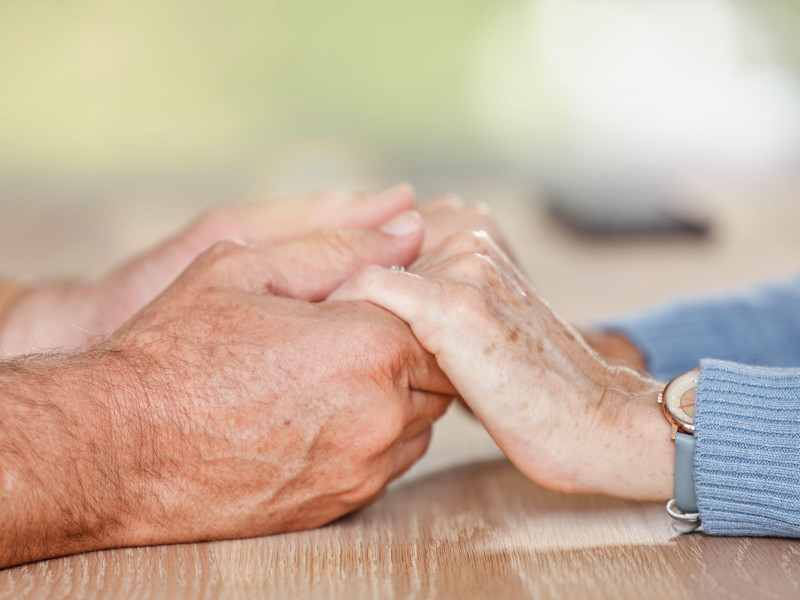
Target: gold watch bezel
(671, 398)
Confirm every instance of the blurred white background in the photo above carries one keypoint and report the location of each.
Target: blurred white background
(110, 100)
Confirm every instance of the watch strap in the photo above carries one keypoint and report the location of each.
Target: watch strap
(685, 494)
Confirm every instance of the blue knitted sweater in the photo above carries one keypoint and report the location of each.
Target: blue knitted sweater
(747, 438)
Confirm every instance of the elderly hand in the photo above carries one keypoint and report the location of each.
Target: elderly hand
(449, 214)
(565, 417)
(67, 315)
(233, 405)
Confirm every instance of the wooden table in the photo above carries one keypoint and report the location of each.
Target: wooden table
(463, 523)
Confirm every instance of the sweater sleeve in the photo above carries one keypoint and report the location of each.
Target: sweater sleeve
(747, 449)
(758, 326)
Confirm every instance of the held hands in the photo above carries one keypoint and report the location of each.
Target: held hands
(67, 315)
(274, 413)
(233, 404)
(238, 405)
(561, 413)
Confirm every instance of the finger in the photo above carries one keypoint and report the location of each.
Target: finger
(271, 222)
(413, 298)
(410, 452)
(427, 407)
(357, 211)
(425, 375)
(447, 203)
(442, 222)
(312, 266)
(464, 243)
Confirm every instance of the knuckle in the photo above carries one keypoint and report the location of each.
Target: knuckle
(370, 486)
(227, 249)
(465, 242)
(339, 247)
(361, 478)
(467, 302)
(477, 266)
(225, 254)
(473, 298)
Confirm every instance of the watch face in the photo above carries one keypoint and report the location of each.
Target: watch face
(679, 397)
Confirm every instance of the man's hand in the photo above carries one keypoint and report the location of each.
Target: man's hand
(233, 405)
(67, 315)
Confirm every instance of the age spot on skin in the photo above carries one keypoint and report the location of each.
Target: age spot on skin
(513, 335)
(489, 350)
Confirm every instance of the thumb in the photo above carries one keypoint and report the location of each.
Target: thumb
(311, 267)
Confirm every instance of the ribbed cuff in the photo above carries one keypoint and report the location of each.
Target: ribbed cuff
(747, 449)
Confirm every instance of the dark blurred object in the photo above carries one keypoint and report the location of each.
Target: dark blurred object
(624, 211)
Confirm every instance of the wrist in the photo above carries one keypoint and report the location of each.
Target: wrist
(68, 486)
(635, 457)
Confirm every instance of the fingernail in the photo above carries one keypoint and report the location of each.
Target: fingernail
(403, 224)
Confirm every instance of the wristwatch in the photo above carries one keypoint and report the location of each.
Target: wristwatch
(677, 401)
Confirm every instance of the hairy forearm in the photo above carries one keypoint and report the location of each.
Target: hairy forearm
(62, 485)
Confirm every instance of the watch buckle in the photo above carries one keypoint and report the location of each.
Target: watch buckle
(682, 522)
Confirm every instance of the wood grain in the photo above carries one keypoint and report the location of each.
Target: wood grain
(464, 523)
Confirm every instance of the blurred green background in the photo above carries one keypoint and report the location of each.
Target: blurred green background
(103, 87)
(300, 92)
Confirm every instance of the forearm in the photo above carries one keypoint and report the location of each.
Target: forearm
(758, 326)
(631, 453)
(62, 486)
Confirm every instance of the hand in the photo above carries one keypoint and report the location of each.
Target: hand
(67, 315)
(449, 214)
(564, 416)
(233, 405)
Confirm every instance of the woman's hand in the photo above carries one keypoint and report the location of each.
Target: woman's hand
(67, 315)
(449, 214)
(565, 417)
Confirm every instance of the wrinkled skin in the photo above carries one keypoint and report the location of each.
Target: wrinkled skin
(566, 417)
(338, 416)
(67, 315)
